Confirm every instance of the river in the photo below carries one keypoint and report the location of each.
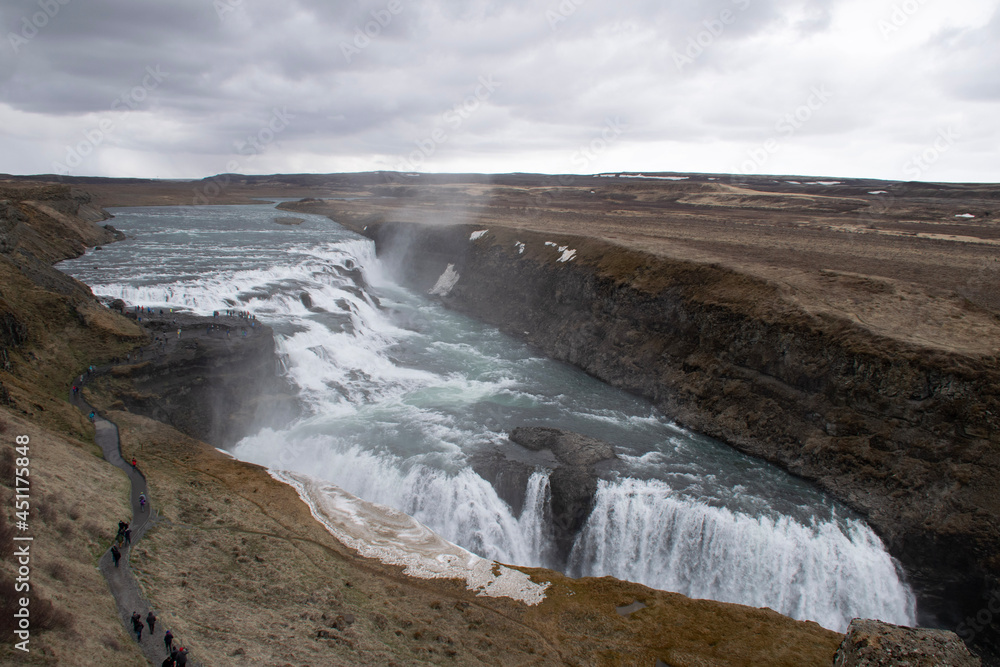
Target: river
(400, 393)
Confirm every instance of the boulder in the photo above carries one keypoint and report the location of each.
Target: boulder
(872, 643)
(573, 483)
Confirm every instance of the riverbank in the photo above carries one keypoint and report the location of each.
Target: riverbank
(879, 385)
(299, 595)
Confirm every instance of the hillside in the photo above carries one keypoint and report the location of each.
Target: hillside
(237, 566)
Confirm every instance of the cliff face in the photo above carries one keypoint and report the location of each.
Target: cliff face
(907, 436)
(206, 384)
(51, 326)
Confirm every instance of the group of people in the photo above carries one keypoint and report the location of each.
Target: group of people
(123, 539)
(177, 656)
(242, 314)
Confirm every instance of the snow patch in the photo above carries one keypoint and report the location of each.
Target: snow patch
(794, 182)
(445, 282)
(567, 252)
(520, 247)
(478, 235)
(877, 192)
(377, 531)
(965, 215)
(824, 183)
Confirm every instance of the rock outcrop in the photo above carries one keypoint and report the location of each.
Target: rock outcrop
(573, 483)
(209, 385)
(875, 644)
(908, 436)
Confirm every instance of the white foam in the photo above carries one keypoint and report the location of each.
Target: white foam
(394, 538)
(642, 531)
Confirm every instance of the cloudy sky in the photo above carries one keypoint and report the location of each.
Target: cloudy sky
(895, 89)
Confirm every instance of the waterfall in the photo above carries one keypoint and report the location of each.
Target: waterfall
(828, 572)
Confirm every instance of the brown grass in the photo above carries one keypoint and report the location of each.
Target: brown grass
(239, 565)
(70, 604)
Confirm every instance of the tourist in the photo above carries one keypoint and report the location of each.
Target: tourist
(151, 621)
(168, 639)
(137, 625)
(116, 555)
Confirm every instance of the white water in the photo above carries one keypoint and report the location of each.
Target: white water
(399, 397)
(642, 532)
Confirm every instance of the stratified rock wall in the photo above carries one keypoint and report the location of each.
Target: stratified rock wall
(215, 388)
(909, 437)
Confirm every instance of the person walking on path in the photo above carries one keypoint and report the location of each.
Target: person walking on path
(142, 502)
(133, 463)
(116, 555)
(137, 625)
(128, 536)
(182, 657)
(168, 639)
(151, 621)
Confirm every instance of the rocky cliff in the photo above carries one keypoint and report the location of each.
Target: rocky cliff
(232, 540)
(908, 436)
(209, 384)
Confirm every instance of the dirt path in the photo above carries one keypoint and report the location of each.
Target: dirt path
(122, 582)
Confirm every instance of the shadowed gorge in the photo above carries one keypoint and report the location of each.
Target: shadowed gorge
(354, 347)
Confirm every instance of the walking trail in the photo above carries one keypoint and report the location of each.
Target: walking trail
(122, 582)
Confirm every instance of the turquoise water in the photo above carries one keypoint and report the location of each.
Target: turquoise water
(400, 392)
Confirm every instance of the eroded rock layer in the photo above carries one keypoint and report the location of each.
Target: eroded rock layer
(906, 435)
